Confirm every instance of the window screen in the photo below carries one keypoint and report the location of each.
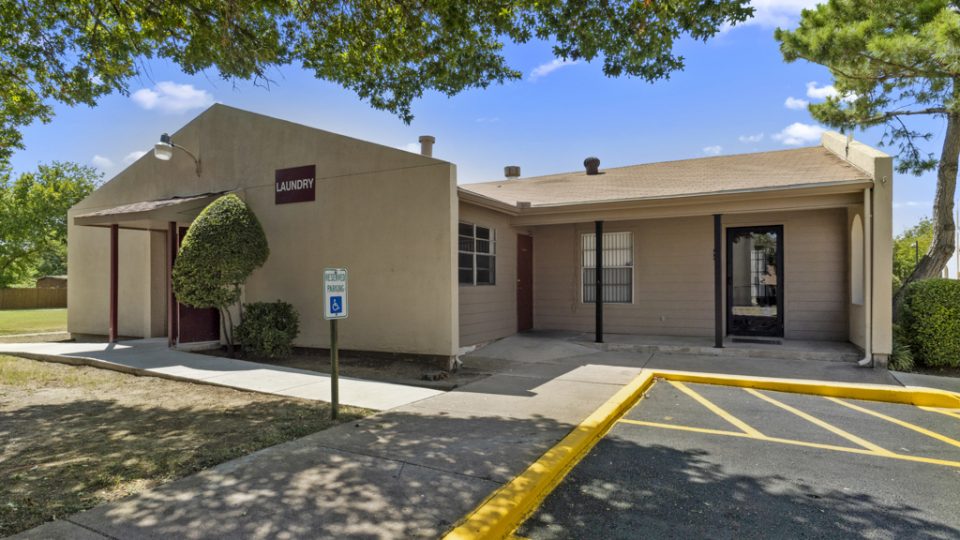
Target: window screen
(477, 255)
(617, 267)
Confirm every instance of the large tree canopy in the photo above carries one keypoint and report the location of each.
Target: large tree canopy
(388, 52)
(33, 218)
(892, 60)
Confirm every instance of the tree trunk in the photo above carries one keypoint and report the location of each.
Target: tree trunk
(227, 334)
(944, 228)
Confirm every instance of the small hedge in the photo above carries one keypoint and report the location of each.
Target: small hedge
(930, 320)
(268, 328)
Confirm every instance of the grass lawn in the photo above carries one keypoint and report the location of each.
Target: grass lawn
(74, 437)
(29, 321)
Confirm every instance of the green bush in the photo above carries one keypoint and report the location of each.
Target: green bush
(930, 320)
(268, 328)
(901, 358)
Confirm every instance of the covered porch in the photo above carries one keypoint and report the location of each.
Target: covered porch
(139, 243)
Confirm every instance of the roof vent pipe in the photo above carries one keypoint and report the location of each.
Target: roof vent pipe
(592, 165)
(511, 171)
(426, 145)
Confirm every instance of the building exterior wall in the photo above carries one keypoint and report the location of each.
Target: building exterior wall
(387, 215)
(673, 276)
(673, 279)
(489, 312)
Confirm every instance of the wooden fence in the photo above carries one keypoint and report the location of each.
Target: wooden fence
(32, 298)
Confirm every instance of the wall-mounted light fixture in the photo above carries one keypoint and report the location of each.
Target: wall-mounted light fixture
(163, 151)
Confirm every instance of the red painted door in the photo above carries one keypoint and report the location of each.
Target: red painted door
(197, 324)
(524, 282)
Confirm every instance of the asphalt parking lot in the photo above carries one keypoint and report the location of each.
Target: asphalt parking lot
(704, 461)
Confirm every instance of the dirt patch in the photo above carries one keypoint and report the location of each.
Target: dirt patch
(74, 437)
(400, 370)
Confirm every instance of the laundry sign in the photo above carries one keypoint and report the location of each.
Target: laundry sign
(296, 184)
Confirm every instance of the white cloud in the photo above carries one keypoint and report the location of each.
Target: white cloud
(824, 92)
(795, 103)
(821, 92)
(170, 97)
(545, 69)
(133, 156)
(714, 150)
(778, 13)
(101, 162)
(412, 147)
(798, 133)
(751, 138)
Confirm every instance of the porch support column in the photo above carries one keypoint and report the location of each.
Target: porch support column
(114, 281)
(171, 298)
(599, 281)
(718, 280)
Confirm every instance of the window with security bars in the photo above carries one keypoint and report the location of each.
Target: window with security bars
(477, 255)
(617, 268)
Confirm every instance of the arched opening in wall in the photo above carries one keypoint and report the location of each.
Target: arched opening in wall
(856, 261)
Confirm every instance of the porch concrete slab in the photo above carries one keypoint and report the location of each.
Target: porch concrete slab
(522, 397)
(773, 367)
(950, 384)
(152, 357)
(605, 374)
(533, 347)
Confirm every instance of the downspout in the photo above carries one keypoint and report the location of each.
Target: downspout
(867, 359)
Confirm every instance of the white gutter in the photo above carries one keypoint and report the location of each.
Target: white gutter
(867, 359)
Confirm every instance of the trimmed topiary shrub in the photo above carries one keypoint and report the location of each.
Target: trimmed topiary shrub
(930, 321)
(268, 328)
(223, 246)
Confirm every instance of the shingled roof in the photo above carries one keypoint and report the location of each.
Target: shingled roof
(782, 169)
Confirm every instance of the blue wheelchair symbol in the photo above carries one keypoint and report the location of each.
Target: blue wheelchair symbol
(336, 305)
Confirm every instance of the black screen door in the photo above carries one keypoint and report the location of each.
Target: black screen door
(755, 281)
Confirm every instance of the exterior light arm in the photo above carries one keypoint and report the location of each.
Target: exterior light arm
(165, 139)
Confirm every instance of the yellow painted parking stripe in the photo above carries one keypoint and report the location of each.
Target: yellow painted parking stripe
(740, 424)
(791, 442)
(687, 428)
(951, 414)
(816, 421)
(899, 422)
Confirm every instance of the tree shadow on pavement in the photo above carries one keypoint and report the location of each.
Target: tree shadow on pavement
(655, 491)
(400, 474)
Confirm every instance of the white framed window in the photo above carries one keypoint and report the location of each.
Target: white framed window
(477, 255)
(617, 267)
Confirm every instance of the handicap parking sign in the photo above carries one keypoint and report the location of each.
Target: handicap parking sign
(335, 304)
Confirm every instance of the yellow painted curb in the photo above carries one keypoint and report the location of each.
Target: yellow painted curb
(926, 397)
(506, 508)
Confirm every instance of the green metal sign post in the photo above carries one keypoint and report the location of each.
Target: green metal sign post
(334, 309)
(334, 371)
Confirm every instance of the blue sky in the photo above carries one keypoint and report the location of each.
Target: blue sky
(731, 98)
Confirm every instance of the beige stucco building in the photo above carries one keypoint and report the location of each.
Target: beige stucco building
(802, 241)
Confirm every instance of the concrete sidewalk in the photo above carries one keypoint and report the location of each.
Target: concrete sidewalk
(409, 472)
(153, 357)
